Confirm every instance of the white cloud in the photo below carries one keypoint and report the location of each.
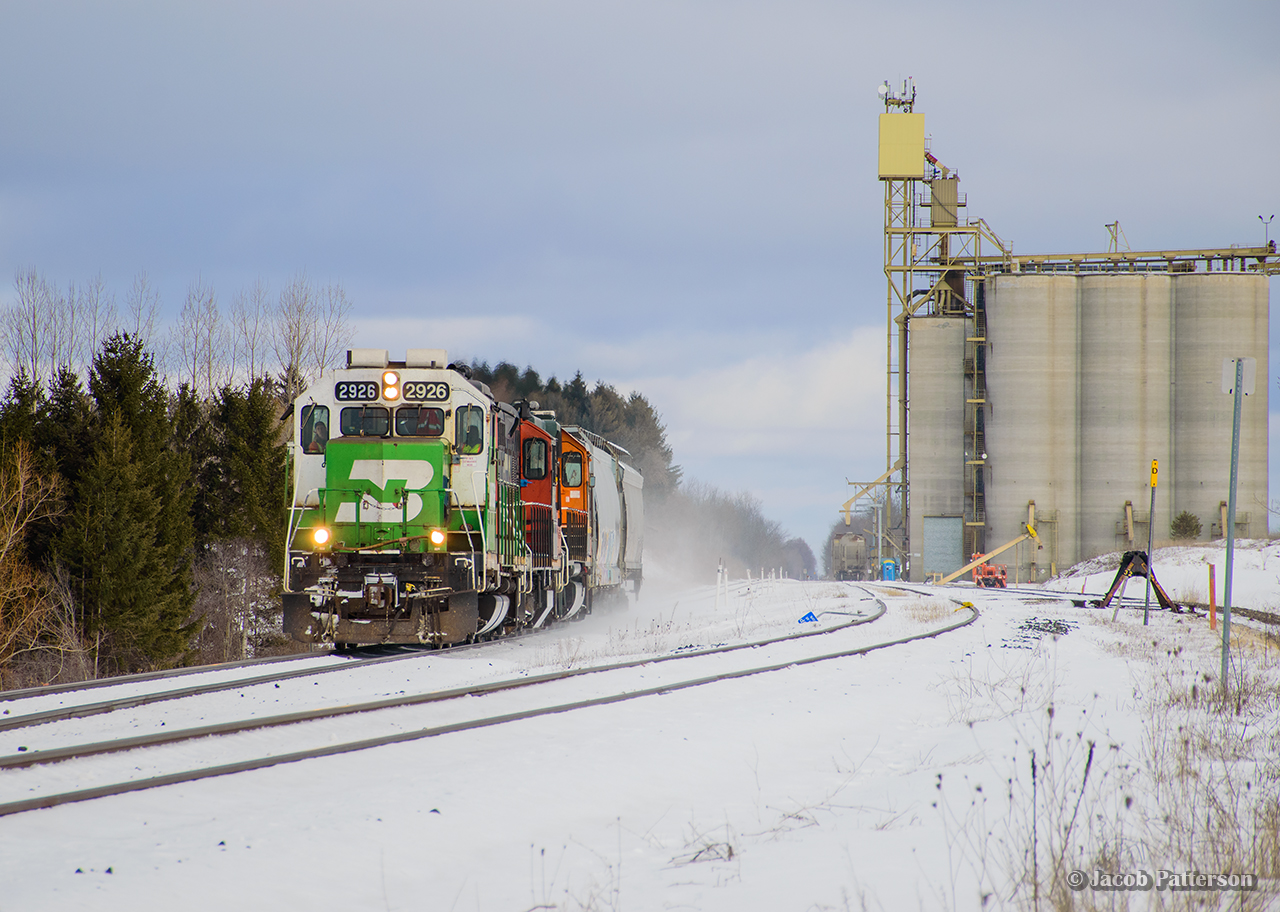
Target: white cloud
(777, 399)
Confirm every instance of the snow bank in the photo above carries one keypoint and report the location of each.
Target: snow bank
(1183, 570)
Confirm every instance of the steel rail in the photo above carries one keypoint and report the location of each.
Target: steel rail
(1079, 599)
(115, 680)
(410, 651)
(83, 710)
(434, 731)
(55, 755)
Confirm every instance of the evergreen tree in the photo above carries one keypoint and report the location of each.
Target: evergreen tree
(576, 402)
(1186, 526)
(133, 503)
(196, 433)
(20, 410)
(61, 441)
(250, 460)
(132, 605)
(63, 433)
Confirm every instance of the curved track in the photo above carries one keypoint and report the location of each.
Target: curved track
(630, 673)
(1078, 599)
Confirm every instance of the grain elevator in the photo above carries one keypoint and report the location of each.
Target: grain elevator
(1036, 389)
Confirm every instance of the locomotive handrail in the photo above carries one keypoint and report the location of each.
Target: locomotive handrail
(484, 543)
(527, 571)
(293, 530)
(466, 527)
(562, 575)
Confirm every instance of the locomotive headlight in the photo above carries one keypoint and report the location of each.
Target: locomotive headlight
(321, 536)
(437, 537)
(390, 385)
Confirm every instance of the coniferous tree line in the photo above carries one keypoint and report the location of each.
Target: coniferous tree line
(142, 475)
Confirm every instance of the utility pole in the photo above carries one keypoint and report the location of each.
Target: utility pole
(1238, 375)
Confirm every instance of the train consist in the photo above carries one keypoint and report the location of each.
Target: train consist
(426, 511)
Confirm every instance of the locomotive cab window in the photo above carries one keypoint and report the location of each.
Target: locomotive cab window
(470, 429)
(315, 428)
(413, 421)
(365, 421)
(535, 459)
(571, 470)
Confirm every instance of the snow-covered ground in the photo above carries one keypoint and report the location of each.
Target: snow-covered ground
(1183, 571)
(899, 779)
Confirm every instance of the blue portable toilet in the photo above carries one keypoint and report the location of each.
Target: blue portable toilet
(888, 570)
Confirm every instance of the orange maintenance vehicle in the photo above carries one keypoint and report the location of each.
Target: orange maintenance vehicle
(990, 576)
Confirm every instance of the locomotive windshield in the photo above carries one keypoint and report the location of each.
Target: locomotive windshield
(315, 428)
(470, 428)
(535, 459)
(412, 421)
(365, 421)
(571, 469)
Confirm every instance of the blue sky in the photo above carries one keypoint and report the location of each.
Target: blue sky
(674, 197)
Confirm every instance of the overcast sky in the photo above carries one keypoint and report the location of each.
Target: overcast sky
(677, 198)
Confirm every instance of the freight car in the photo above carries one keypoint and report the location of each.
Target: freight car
(849, 557)
(426, 511)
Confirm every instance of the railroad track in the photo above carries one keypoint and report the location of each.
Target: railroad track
(344, 661)
(10, 721)
(116, 681)
(1078, 599)
(411, 717)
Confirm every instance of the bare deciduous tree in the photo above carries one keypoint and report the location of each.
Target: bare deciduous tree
(250, 326)
(312, 327)
(294, 321)
(199, 338)
(144, 310)
(98, 319)
(62, 329)
(44, 330)
(24, 335)
(237, 605)
(332, 326)
(32, 616)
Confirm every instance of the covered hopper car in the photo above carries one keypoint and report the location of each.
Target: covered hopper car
(426, 511)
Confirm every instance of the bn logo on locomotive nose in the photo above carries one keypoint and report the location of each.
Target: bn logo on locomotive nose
(383, 475)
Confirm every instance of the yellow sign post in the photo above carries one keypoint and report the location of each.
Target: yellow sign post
(1151, 525)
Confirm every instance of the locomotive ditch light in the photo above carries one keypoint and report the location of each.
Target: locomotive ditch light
(320, 536)
(437, 538)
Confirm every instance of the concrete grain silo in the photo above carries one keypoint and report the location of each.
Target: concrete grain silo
(1036, 389)
(1089, 378)
(937, 352)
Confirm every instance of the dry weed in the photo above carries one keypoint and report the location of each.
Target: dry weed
(929, 610)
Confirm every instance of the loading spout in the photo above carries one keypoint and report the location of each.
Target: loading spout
(1030, 533)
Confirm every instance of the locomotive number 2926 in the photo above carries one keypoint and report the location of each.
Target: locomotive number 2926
(426, 391)
(356, 391)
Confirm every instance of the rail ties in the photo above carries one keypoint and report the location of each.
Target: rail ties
(432, 731)
(83, 710)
